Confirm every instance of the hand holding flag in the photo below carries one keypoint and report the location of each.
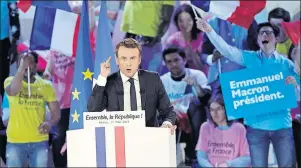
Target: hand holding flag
(203, 25)
(239, 12)
(24, 64)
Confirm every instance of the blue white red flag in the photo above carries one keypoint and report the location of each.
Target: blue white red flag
(239, 12)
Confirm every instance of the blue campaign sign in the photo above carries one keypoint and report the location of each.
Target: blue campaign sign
(254, 91)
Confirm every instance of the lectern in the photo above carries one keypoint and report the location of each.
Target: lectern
(121, 146)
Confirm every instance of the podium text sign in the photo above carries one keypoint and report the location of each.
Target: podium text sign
(116, 118)
(121, 147)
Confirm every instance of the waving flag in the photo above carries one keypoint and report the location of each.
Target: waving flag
(104, 48)
(54, 29)
(239, 12)
(24, 5)
(82, 80)
(292, 29)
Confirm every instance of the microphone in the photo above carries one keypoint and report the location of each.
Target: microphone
(120, 92)
(142, 91)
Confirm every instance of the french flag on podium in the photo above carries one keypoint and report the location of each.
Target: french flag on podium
(121, 147)
(239, 12)
(55, 26)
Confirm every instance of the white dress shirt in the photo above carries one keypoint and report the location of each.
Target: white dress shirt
(101, 81)
(127, 93)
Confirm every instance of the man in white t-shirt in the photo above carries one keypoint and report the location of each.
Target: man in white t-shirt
(189, 92)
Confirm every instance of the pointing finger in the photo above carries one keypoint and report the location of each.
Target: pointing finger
(102, 64)
(108, 60)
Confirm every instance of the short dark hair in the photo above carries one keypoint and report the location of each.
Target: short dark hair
(173, 49)
(280, 13)
(128, 43)
(187, 8)
(32, 53)
(268, 24)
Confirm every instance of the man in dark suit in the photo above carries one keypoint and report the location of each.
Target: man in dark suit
(131, 89)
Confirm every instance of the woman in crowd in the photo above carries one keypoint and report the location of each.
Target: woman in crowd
(188, 36)
(222, 143)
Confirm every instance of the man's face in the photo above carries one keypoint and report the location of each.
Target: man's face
(282, 34)
(175, 63)
(32, 65)
(266, 39)
(128, 60)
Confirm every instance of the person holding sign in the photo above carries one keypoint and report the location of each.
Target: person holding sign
(277, 127)
(28, 129)
(131, 89)
(222, 143)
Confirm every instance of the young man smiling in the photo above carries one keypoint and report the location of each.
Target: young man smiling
(263, 130)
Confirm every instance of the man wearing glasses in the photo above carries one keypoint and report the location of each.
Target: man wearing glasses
(276, 128)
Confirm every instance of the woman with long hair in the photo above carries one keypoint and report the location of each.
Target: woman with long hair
(222, 143)
(188, 36)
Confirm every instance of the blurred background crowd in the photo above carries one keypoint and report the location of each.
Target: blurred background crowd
(173, 46)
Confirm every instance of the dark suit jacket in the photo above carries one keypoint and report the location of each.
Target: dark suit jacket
(153, 97)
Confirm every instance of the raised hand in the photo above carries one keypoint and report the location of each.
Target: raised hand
(105, 68)
(216, 56)
(291, 80)
(25, 62)
(203, 25)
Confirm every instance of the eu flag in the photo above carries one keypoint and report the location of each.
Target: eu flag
(83, 72)
(104, 46)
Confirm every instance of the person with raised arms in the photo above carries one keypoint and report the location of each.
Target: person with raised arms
(276, 128)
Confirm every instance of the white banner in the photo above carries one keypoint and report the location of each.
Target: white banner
(116, 118)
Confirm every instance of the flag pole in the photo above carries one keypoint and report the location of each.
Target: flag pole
(196, 16)
(219, 66)
(28, 81)
(194, 11)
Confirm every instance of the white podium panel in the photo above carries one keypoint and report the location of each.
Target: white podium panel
(121, 147)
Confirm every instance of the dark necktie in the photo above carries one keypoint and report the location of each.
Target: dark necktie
(133, 95)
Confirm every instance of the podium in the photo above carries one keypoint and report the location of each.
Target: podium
(121, 146)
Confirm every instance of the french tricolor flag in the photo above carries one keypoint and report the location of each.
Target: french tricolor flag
(24, 5)
(121, 147)
(239, 12)
(54, 27)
